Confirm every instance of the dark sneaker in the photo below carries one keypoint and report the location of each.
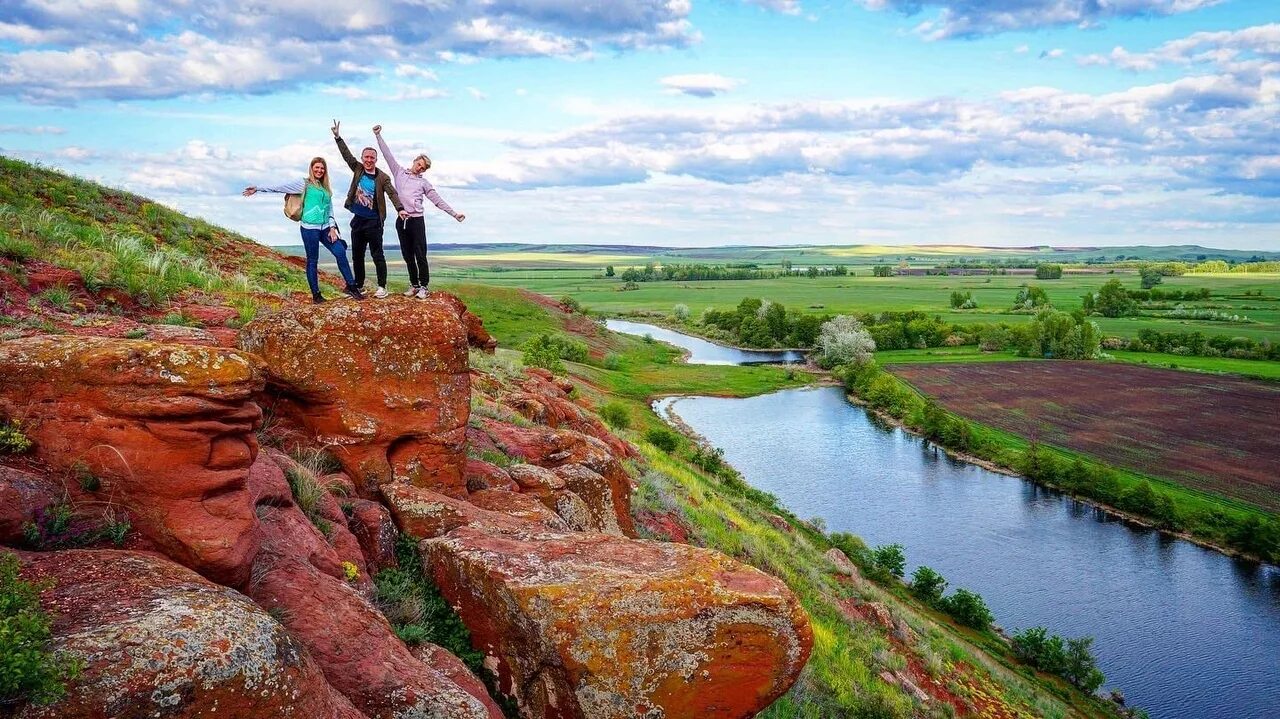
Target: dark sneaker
(354, 292)
(317, 299)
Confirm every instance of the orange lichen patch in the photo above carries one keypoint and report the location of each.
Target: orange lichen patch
(689, 632)
(215, 371)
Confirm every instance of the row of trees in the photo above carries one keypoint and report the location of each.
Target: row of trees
(762, 323)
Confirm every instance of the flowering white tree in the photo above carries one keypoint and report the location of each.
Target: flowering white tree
(842, 341)
(681, 312)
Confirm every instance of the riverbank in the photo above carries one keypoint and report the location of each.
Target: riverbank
(1207, 519)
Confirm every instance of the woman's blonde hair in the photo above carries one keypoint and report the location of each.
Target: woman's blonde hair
(425, 159)
(324, 182)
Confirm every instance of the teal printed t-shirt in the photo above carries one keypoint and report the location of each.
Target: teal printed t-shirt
(317, 206)
(364, 205)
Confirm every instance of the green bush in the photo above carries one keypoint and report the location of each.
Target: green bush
(1071, 659)
(417, 611)
(12, 439)
(927, 584)
(616, 415)
(29, 669)
(663, 438)
(546, 351)
(1048, 271)
(967, 608)
(890, 558)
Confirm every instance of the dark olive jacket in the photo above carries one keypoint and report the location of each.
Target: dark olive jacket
(382, 185)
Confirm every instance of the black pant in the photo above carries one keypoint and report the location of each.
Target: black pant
(413, 245)
(367, 232)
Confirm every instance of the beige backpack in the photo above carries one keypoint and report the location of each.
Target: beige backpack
(293, 204)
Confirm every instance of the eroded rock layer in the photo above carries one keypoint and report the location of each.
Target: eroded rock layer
(384, 385)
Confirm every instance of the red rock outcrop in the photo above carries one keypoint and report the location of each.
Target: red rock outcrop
(168, 430)
(545, 399)
(569, 453)
(158, 640)
(477, 335)
(383, 385)
(299, 573)
(591, 625)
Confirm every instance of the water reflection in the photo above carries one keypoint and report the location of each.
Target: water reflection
(1184, 631)
(701, 351)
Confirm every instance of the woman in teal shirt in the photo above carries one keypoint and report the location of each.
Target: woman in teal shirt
(318, 225)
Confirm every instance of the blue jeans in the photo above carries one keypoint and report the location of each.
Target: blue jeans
(311, 240)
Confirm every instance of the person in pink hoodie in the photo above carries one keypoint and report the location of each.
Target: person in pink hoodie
(412, 187)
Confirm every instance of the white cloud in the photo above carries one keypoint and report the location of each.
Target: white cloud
(476, 93)
(130, 49)
(699, 84)
(31, 130)
(975, 18)
(1053, 54)
(1250, 48)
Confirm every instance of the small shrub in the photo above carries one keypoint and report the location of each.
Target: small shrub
(927, 584)
(350, 571)
(136, 333)
(12, 439)
(308, 495)
(29, 669)
(681, 312)
(59, 297)
(616, 415)
(890, 558)
(87, 480)
(967, 608)
(417, 611)
(663, 438)
(612, 361)
(570, 304)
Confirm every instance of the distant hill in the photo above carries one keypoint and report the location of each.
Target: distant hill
(544, 254)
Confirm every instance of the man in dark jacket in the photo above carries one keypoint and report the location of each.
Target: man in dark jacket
(365, 200)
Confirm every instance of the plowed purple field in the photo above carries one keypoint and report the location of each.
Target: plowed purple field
(1204, 431)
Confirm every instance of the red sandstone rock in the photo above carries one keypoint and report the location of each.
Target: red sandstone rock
(337, 535)
(375, 530)
(552, 449)
(422, 513)
(477, 335)
(483, 475)
(355, 647)
(168, 430)
(157, 640)
(384, 385)
(590, 625)
(22, 496)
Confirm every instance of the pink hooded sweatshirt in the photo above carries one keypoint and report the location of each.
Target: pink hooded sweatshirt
(412, 188)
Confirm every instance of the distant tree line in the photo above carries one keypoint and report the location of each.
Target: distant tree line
(692, 273)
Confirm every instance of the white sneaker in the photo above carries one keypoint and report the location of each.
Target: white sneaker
(422, 293)
(381, 293)
(410, 292)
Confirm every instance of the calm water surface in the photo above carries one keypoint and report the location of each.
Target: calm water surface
(1185, 632)
(702, 351)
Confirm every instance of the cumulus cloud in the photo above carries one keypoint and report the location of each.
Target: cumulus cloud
(789, 7)
(699, 84)
(129, 49)
(31, 130)
(1249, 48)
(976, 18)
(1216, 131)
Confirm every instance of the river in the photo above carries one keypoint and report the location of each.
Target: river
(1185, 632)
(702, 351)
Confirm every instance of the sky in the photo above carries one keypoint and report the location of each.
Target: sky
(680, 122)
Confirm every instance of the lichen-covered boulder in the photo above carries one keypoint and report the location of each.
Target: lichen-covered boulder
(592, 625)
(570, 452)
(168, 431)
(421, 513)
(375, 530)
(157, 640)
(384, 385)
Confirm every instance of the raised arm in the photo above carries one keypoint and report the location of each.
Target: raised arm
(438, 201)
(386, 151)
(294, 187)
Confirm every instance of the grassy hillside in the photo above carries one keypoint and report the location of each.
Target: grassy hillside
(76, 255)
